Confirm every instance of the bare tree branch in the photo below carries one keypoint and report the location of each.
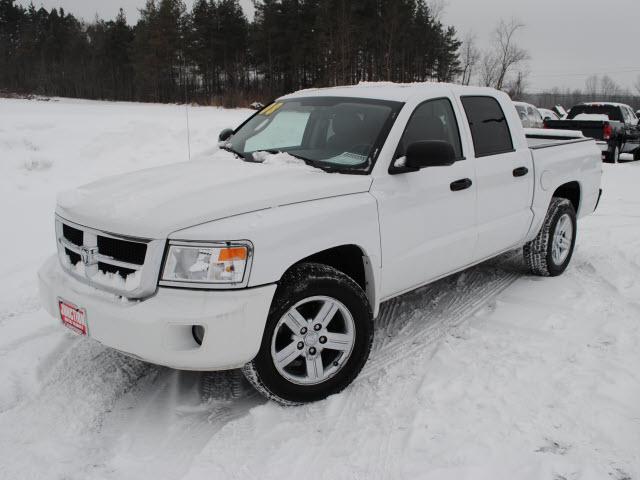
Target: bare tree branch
(592, 85)
(469, 57)
(489, 69)
(437, 8)
(508, 54)
(610, 88)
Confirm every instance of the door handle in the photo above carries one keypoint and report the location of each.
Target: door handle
(461, 184)
(520, 172)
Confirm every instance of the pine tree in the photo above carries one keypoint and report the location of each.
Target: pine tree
(213, 54)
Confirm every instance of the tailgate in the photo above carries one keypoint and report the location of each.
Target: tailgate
(589, 128)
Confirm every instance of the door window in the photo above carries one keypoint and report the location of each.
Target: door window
(432, 120)
(489, 128)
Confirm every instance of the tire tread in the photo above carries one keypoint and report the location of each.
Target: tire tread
(536, 251)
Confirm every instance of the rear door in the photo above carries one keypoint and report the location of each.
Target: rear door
(427, 217)
(504, 178)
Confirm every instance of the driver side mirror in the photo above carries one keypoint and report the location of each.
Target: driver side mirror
(430, 153)
(225, 134)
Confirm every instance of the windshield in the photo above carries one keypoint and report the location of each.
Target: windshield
(610, 111)
(335, 133)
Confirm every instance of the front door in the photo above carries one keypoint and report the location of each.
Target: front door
(427, 218)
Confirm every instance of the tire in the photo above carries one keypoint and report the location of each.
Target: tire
(308, 289)
(613, 156)
(539, 254)
(222, 386)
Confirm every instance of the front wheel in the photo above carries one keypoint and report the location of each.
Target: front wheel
(550, 252)
(317, 338)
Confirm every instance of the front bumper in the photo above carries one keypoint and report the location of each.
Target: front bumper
(159, 329)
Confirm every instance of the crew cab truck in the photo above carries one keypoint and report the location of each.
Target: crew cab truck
(613, 125)
(275, 255)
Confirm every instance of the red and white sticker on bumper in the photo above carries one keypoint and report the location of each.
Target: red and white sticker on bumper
(72, 317)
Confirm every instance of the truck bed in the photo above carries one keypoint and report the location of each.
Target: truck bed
(539, 138)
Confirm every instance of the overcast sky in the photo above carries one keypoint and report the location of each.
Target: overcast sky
(568, 39)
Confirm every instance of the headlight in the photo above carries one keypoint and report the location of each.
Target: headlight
(207, 265)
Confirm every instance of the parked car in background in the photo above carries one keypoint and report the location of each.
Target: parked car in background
(275, 256)
(529, 115)
(613, 125)
(548, 114)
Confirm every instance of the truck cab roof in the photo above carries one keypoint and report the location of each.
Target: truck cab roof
(605, 104)
(399, 92)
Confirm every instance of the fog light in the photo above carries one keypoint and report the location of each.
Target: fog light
(198, 333)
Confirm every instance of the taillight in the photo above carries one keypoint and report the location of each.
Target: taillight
(607, 131)
(544, 124)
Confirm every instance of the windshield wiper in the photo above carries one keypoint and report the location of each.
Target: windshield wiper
(308, 161)
(235, 152)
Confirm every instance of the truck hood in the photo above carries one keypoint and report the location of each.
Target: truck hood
(156, 202)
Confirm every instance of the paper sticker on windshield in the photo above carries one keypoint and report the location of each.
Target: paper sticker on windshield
(274, 107)
(348, 158)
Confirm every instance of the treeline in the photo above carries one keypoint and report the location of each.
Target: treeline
(213, 54)
(571, 98)
(597, 88)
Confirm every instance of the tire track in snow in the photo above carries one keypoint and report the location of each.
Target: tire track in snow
(169, 419)
(401, 331)
(82, 381)
(411, 323)
(152, 419)
(418, 319)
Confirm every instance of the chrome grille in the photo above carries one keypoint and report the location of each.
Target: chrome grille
(118, 264)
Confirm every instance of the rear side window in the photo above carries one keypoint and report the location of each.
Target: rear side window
(489, 127)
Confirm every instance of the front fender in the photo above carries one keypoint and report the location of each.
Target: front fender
(284, 235)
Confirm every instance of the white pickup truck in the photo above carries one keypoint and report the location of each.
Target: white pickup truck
(275, 255)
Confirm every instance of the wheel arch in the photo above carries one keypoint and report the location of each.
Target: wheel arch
(353, 261)
(570, 191)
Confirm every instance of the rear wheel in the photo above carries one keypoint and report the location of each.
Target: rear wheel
(550, 252)
(614, 154)
(317, 338)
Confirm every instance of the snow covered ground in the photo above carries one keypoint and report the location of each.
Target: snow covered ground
(487, 374)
